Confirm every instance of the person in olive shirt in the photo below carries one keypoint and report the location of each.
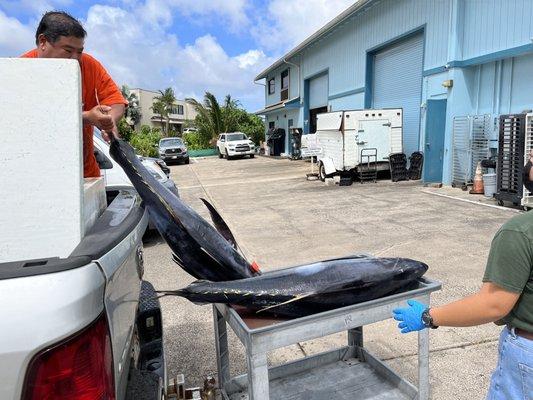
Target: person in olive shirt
(506, 297)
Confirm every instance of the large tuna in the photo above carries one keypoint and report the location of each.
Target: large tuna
(198, 248)
(312, 288)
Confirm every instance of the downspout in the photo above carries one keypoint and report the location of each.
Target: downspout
(266, 119)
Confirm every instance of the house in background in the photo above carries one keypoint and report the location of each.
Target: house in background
(182, 114)
(439, 60)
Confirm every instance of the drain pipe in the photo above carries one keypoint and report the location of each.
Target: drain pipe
(297, 66)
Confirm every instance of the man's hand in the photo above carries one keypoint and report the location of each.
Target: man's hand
(99, 116)
(410, 317)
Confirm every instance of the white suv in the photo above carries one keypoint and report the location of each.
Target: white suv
(235, 144)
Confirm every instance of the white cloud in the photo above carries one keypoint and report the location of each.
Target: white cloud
(142, 54)
(287, 23)
(133, 40)
(15, 38)
(232, 13)
(33, 7)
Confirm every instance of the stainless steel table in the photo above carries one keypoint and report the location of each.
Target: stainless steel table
(349, 372)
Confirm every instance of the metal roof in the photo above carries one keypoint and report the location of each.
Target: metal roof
(353, 9)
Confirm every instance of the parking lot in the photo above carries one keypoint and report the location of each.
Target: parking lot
(281, 219)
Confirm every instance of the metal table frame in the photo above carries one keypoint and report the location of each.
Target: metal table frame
(258, 342)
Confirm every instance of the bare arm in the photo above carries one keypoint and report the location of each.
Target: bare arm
(117, 112)
(490, 304)
(105, 118)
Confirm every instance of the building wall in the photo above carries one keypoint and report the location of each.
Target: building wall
(281, 120)
(146, 100)
(293, 84)
(343, 53)
(484, 46)
(493, 25)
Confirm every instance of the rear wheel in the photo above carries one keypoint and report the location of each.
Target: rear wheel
(252, 155)
(321, 171)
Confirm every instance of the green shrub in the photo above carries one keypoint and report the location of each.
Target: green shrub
(196, 141)
(146, 141)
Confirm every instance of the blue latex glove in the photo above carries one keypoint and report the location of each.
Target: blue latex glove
(410, 317)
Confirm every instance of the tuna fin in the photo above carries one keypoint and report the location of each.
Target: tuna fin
(295, 298)
(221, 225)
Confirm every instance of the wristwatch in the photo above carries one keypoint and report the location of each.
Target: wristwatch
(427, 319)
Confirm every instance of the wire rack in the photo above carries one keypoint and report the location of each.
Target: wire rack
(470, 145)
(511, 146)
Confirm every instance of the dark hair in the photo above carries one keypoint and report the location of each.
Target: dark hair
(58, 23)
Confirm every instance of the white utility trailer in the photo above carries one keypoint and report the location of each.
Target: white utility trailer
(353, 141)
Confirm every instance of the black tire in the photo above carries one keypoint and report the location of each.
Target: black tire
(252, 155)
(321, 172)
(500, 203)
(220, 155)
(227, 155)
(187, 161)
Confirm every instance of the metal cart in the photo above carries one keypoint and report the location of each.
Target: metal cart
(349, 372)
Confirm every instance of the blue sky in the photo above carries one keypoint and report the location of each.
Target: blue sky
(191, 45)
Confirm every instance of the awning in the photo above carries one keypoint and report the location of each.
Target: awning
(291, 103)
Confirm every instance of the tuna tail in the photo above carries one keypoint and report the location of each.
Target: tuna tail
(221, 225)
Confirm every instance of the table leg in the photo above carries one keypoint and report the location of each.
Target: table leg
(222, 349)
(257, 377)
(355, 339)
(423, 364)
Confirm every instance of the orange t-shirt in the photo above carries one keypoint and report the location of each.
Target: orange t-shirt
(93, 77)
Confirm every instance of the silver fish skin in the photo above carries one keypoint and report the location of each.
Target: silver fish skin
(311, 288)
(198, 247)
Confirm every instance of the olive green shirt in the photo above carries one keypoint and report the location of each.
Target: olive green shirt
(510, 266)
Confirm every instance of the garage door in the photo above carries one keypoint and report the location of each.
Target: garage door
(398, 83)
(318, 92)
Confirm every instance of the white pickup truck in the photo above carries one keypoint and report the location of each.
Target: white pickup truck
(85, 326)
(77, 321)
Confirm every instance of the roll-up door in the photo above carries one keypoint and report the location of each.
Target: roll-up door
(397, 82)
(318, 91)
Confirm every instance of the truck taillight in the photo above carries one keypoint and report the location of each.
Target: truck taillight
(79, 368)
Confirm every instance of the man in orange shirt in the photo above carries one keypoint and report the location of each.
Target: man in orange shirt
(59, 35)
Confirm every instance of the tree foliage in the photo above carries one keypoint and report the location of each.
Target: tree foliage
(146, 140)
(166, 101)
(213, 119)
(133, 111)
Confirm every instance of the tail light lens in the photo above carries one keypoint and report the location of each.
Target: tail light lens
(79, 368)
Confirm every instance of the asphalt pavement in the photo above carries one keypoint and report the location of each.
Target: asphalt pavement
(281, 219)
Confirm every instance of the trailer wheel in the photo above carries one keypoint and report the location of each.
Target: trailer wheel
(321, 171)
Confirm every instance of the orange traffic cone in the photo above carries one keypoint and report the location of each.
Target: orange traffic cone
(478, 181)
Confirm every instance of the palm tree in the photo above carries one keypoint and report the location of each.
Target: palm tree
(168, 99)
(158, 108)
(230, 114)
(133, 112)
(210, 119)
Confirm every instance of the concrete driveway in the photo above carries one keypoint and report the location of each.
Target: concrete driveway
(280, 219)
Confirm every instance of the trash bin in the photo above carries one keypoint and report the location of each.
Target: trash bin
(489, 183)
